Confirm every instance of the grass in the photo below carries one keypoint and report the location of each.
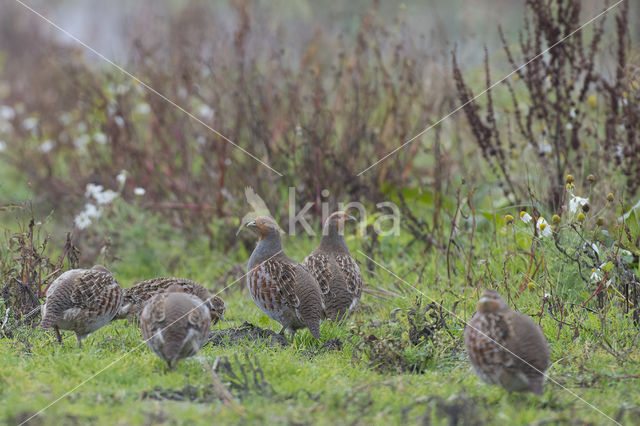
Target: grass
(127, 384)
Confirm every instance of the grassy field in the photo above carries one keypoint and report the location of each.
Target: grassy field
(531, 189)
(115, 379)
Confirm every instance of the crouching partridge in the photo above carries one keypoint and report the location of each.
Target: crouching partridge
(282, 288)
(506, 348)
(82, 301)
(331, 264)
(175, 324)
(136, 296)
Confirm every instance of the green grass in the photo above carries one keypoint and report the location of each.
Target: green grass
(115, 373)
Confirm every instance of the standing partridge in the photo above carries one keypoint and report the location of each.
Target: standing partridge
(136, 296)
(81, 300)
(335, 270)
(175, 324)
(506, 348)
(282, 288)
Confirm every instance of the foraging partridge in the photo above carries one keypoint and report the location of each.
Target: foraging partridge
(505, 347)
(175, 324)
(335, 270)
(281, 287)
(81, 300)
(136, 296)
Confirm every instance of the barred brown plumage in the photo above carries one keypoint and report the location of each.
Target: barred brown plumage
(335, 270)
(175, 324)
(136, 296)
(282, 288)
(506, 348)
(82, 301)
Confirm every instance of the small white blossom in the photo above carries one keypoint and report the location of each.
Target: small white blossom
(569, 126)
(143, 108)
(105, 197)
(84, 218)
(100, 138)
(119, 121)
(206, 112)
(596, 275)
(82, 127)
(572, 113)
(30, 123)
(3, 146)
(7, 113)
(577, 202)
(139, 191)
(543, 227)
(46, 146)
(525, 217)
(544, 149)
(201, 140)
(121, 178)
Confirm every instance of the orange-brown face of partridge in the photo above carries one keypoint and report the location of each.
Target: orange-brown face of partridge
(263, 227)
(491, 302)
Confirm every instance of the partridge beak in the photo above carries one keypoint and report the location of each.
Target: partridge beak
(351, 218)
(251, 224)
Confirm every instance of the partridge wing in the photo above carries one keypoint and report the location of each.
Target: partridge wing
(318, 266)
(284, 275)
(351, 273)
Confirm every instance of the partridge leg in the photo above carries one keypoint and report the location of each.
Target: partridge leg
(58, 336)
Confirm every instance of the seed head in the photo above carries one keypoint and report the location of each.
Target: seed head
(569, 179)
(555, 219)
(586, 208)
(508, 219)
(531, 285)
(600, 221)
(610, 197)
(581, 217)
(591, 178)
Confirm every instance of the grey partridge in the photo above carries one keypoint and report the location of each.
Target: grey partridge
(506, 348)
(281, 287)
(175, 324)
(136, 296)
(82, 301)
(331, 264)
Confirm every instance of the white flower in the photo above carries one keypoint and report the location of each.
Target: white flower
(100, 138)
(119, 121)
(82, 127)
(92, 189)
(121, 178)
(3, 146)
(206, 112)
(201, 140)
(29, 123)
(139, 191)
(46, 146)
(525, 217)
(143, 108)
(543, 227)
(569, 126)
(7, 113)
(81, 141)
(544, 149)
(572, 113)
(596, 275)
(576, 202)
(84, 218)
(105, 197)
